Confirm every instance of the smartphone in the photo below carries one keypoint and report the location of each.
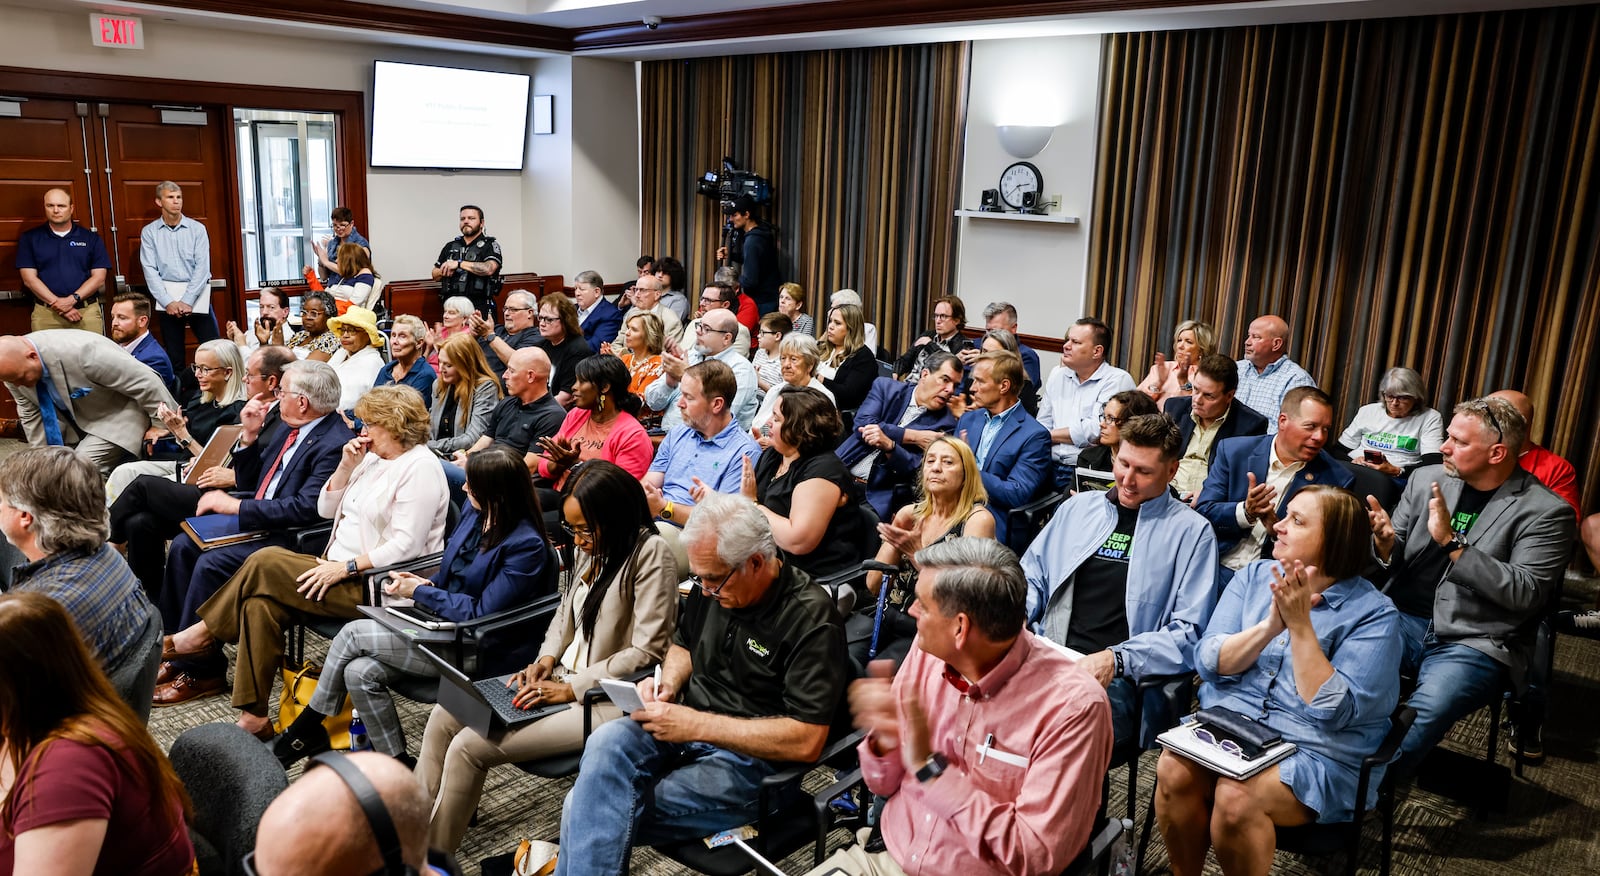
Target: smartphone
(1374, 456)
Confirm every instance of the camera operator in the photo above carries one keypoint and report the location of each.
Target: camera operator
(469, 266)
(755, 250)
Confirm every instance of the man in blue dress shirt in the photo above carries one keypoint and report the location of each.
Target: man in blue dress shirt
(175, 252)
(64, 266)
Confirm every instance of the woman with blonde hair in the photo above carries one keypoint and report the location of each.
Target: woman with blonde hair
(848, 367)
(1191, 340)
(86, 789)
(643, 335)
(464, 396)
(358, 277)
(951, 503)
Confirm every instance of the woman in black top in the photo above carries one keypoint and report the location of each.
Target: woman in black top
(562, 340)
(848, 367)
(1118, 410)
(807, 494)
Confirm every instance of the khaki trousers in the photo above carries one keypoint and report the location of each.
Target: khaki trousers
(855, 860)
(253, 609)
(45, 318)
(454, 761)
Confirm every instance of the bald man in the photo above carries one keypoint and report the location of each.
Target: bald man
(1266, 373)
(1551, 470)
(318, 828)
(84, 391)
(64, 266)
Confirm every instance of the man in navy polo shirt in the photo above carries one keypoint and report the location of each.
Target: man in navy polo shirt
(64, 265)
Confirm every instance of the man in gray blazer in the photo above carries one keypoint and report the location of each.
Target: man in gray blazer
(81, 390)
(1477, 548)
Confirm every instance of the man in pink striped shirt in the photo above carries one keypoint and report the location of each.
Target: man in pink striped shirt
(990, 744)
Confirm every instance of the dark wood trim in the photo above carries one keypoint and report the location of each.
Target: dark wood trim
(398, 19)
(841, 15)
(1037, 342)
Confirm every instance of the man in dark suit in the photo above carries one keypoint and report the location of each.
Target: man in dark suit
(278, 479)
(599, 318)
(130, 328)
(1478, 548)
(892, 428)
(1252, 479)
(1208, 417)
(1013, 450)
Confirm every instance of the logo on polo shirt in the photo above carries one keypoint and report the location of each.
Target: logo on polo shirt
(757, 648)
(77, 243)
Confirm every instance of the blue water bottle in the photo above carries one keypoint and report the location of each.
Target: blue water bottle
(358, 733)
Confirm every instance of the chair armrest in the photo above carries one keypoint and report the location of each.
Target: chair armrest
(1399, 726)
(796, 770)
(377, 576)
(1030, 511)
(847, 780)
(485, 624)
(313, 540)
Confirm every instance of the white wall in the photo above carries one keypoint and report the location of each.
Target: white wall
(1038, 267)
(411, 214)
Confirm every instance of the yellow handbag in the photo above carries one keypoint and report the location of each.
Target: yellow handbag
(299, 683)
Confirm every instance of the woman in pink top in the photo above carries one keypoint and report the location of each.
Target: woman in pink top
(86, 789)
(601, 425)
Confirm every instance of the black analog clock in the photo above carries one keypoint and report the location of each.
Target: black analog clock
(1018, 178)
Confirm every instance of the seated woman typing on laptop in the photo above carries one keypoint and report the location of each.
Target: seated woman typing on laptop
(1314, 640)
(497, 558)
(388, 501)
(617, 618)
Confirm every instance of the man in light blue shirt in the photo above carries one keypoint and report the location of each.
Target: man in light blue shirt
(1266, 373)
(1077, 392)
(175, 252)
(715, 335)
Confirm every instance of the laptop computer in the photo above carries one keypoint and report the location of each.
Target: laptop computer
(484, 706)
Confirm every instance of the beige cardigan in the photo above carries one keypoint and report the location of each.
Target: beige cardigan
(637, 616)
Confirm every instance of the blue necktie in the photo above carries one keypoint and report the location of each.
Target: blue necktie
(47, 407)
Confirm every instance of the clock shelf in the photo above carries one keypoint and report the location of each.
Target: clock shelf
(1018, 217)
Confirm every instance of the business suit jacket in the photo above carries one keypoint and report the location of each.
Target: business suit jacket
(295, 502)
(1018, 469)
(1227, 483)
(603, 324)
(1516, 554)
(637, 616)
(149, 351)
(889, 484)
(1241, 420)
(116, 398)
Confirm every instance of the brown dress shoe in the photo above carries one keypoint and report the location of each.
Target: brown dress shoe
(186, 687)
(169, 670)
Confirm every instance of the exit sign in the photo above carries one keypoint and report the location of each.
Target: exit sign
(117, 31)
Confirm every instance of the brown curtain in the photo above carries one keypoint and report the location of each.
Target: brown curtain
(1418, 192)
(863, 148)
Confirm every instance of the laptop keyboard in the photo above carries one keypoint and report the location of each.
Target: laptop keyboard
(499, 696)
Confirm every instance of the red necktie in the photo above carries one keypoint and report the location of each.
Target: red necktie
(261, 491)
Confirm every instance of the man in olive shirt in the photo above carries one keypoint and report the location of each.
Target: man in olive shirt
(752, 681)
(1206, 417)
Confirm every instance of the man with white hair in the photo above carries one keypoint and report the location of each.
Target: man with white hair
(716, 333)
(521, 330)
(750, 684)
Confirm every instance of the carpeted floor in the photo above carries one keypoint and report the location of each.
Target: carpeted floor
(1551, 823)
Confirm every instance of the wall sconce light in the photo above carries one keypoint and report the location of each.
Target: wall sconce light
(1025, 141)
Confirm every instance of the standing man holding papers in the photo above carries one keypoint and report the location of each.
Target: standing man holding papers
(175, 252)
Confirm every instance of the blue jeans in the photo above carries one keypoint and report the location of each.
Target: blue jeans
(1453, 681)
(1413, 632)
(632, 788)
(1157, 714)
(455, 477)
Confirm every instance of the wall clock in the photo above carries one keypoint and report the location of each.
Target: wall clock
(1018, 178)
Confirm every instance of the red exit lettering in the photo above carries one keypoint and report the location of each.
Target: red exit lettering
(119, 31)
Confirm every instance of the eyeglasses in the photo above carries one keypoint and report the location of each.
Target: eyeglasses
(1115, 421)
(516, 309)
(700, 581)
(1483, 407)
(205, 370)
(1212, 739)
(545, 319)
(944, 316)
(701, 328)
(773, 333)
(584, 532)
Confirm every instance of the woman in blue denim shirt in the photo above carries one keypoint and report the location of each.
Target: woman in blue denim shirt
(1311, 649)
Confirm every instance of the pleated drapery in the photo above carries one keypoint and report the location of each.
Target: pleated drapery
(1418, 192)
(863, 148)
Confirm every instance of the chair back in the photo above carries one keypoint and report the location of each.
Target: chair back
(232, 778)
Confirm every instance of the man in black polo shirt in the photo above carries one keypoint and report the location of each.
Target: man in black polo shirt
(521, 329)
(64, 266)
(470, 264)
(752, 681)
(529, 412)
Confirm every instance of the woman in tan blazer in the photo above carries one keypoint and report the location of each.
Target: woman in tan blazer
(617, 617)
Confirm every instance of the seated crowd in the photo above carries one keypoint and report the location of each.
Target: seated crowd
(588, 455)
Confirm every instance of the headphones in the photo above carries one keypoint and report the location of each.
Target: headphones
(372, 806)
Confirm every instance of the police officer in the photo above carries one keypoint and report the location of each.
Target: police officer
(470, 264)
(64, 266)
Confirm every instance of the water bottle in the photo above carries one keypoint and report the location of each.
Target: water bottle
(358, 733)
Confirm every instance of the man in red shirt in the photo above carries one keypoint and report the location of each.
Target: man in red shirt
(984, 777)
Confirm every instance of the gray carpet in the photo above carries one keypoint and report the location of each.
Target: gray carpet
(1550, 824)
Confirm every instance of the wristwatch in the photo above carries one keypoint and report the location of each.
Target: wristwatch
(933, 768)
(350, 567)
(1453, 545)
